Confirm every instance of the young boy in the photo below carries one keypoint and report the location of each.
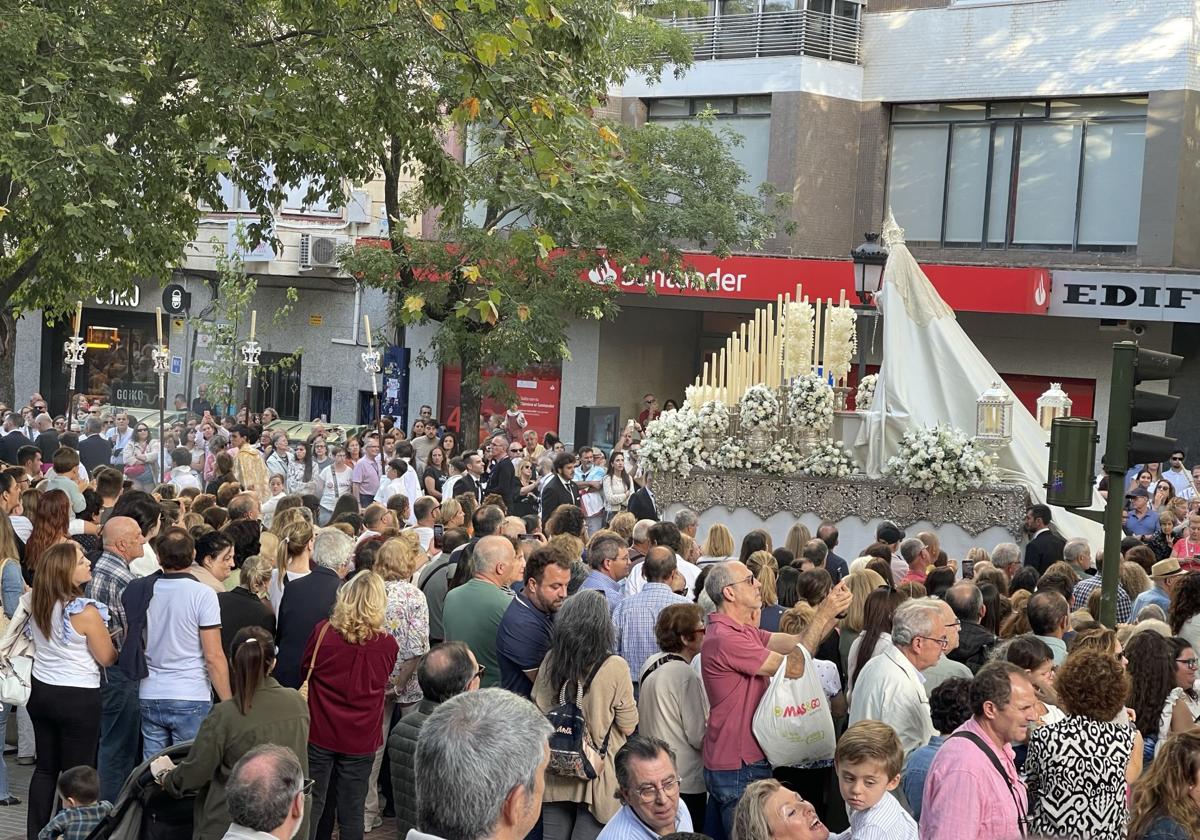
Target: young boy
(183, 476)
(867, 761)
(79, 788)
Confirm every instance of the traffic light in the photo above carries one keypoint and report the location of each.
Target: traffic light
(1129, 405)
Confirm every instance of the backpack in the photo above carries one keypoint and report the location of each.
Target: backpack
(572, 753)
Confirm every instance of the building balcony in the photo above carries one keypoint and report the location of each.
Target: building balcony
(765, 34)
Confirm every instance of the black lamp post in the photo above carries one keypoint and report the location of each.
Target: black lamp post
(869, 259)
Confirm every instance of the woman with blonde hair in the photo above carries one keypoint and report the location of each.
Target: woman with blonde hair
(406, 617)
(292, 560)
(861, 583)
(765, 568)
(768, 810)
(347, 662)
(247, 605)
(450, 514)
(718, 545)
(797, 537)
(1134, 579)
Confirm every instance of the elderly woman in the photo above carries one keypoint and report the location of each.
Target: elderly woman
(769, 811)
(348, 661)
(581, 659)
(672, 705)
(1075, 798)
(261, 711)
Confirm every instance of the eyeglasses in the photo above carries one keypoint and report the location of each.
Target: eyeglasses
(514, 450)
(307, 787)
(1189, 663)
(649, 793)
(956, 623)
(942, 643)
(746, 579)
(479, 674)
(1177, 459)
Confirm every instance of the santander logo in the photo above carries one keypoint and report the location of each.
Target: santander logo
(1039, 294)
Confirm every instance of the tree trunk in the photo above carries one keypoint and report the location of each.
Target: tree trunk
(470, 398)
(8, 360)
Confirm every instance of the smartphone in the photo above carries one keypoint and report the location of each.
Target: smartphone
(968, 569)
(531, 537)
(438, 532)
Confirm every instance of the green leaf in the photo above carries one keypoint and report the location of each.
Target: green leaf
(58, 134)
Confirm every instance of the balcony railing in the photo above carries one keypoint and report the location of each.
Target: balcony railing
(801, 32)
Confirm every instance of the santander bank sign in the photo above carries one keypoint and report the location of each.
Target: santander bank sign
(967, 288)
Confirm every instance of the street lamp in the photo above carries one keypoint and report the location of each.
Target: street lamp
(869, 259)
(370, 364)
(250, 353)
(993, 417)
(1052, 404)
(162, 364)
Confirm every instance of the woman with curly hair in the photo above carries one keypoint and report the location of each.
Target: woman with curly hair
(1165, 805)
(347, 676)
(1084, 799)
(1152, 674)
(1184, 612)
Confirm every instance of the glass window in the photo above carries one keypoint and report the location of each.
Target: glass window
(1047, 179)
(738, 7)
(723, 105)
(968, 183)
(1002, 149)
(669, 107)
(231, 195)
(294, 199)
(754, 104)
(916, 180)
(1110, 203)
(939, 112)
(1131, 106)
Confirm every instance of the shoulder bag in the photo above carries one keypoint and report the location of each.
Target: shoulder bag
(312, 664)
(16, 658)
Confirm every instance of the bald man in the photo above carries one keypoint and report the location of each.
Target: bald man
(473, 611)
(120, 722)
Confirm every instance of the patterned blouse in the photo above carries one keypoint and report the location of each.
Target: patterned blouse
(1076, 779)
(407, 619)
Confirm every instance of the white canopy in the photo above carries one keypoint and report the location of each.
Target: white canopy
(932, 373)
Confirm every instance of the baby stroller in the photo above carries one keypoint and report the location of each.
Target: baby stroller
(144, 811)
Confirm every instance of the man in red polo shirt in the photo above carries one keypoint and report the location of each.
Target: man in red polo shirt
(737, 661)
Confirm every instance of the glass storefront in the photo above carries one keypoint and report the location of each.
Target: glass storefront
(118, 366)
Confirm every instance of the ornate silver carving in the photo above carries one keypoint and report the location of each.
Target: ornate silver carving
(993, 505)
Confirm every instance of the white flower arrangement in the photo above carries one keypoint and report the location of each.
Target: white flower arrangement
(810, 402)
(841, 340)
(797, 337)
(828, 459)
(732, 455)
(939, 460)
(671, 443)
(759, 408)
(865, 395)
(781, 459)
(713, 419)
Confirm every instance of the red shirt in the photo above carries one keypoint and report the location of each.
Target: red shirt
(914, 575)
(729, 661)
(345, 693)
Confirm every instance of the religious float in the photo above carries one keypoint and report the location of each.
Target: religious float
(764, 437)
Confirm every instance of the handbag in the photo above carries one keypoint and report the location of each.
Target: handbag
(793, 723)
(16, 658)
(313, 663)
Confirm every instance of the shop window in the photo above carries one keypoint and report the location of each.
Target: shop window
(1020, 174)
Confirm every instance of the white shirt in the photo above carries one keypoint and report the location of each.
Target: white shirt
(892, 691)
(885, 819)
(424, 537)
(411, 488)
(147, 564)
(635, 580)
(1181, 480)
(178, 611)
(333, 486)
(390, 487)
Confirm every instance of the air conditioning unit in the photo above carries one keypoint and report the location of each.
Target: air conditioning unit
(319, 251)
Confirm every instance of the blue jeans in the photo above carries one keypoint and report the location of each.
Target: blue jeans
(167, 722)
(726, 787)
(120, 730)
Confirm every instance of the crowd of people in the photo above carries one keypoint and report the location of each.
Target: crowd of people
(511, 642)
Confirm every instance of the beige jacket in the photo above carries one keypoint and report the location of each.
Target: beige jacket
(608, 708)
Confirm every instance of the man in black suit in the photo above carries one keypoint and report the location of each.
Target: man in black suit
(94, 450)
(560, 488)
(47, 439)
(1044, 547)
(836, 566)
(642, 504)
(308, 600)
(503, 479)
(471, 480)
(13, 438)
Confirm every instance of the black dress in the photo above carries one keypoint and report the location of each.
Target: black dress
(439, 478)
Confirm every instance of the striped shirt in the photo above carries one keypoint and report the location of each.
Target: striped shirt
(885, 820)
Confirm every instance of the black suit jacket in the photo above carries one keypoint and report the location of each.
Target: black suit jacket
(1043, 550)
(836, 567)
(641, 505)
(94, 452)
(555, 494)
(307, 601)
(468, 484)
(504, 481)
(9, 444)
(47, 441)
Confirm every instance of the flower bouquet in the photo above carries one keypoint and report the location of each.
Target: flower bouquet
(939, 460)
(828, 459)
(781, 459)
(713, 424)
(865, 396)
(672, 442)
(810, 403)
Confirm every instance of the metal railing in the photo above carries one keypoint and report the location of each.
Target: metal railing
(801, 32)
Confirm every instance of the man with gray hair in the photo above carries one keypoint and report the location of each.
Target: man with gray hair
(641, 540)
(890, 687)
(474, 610)
(1007, 557)
(1092, 581)
(608, 556)
(915, 553)
(975, 641)
(687, 522)
(483, 758)
(737, 661)
(1078, 554)
(47, 438)
(648, 787)
(308, 600)
(265, 794)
